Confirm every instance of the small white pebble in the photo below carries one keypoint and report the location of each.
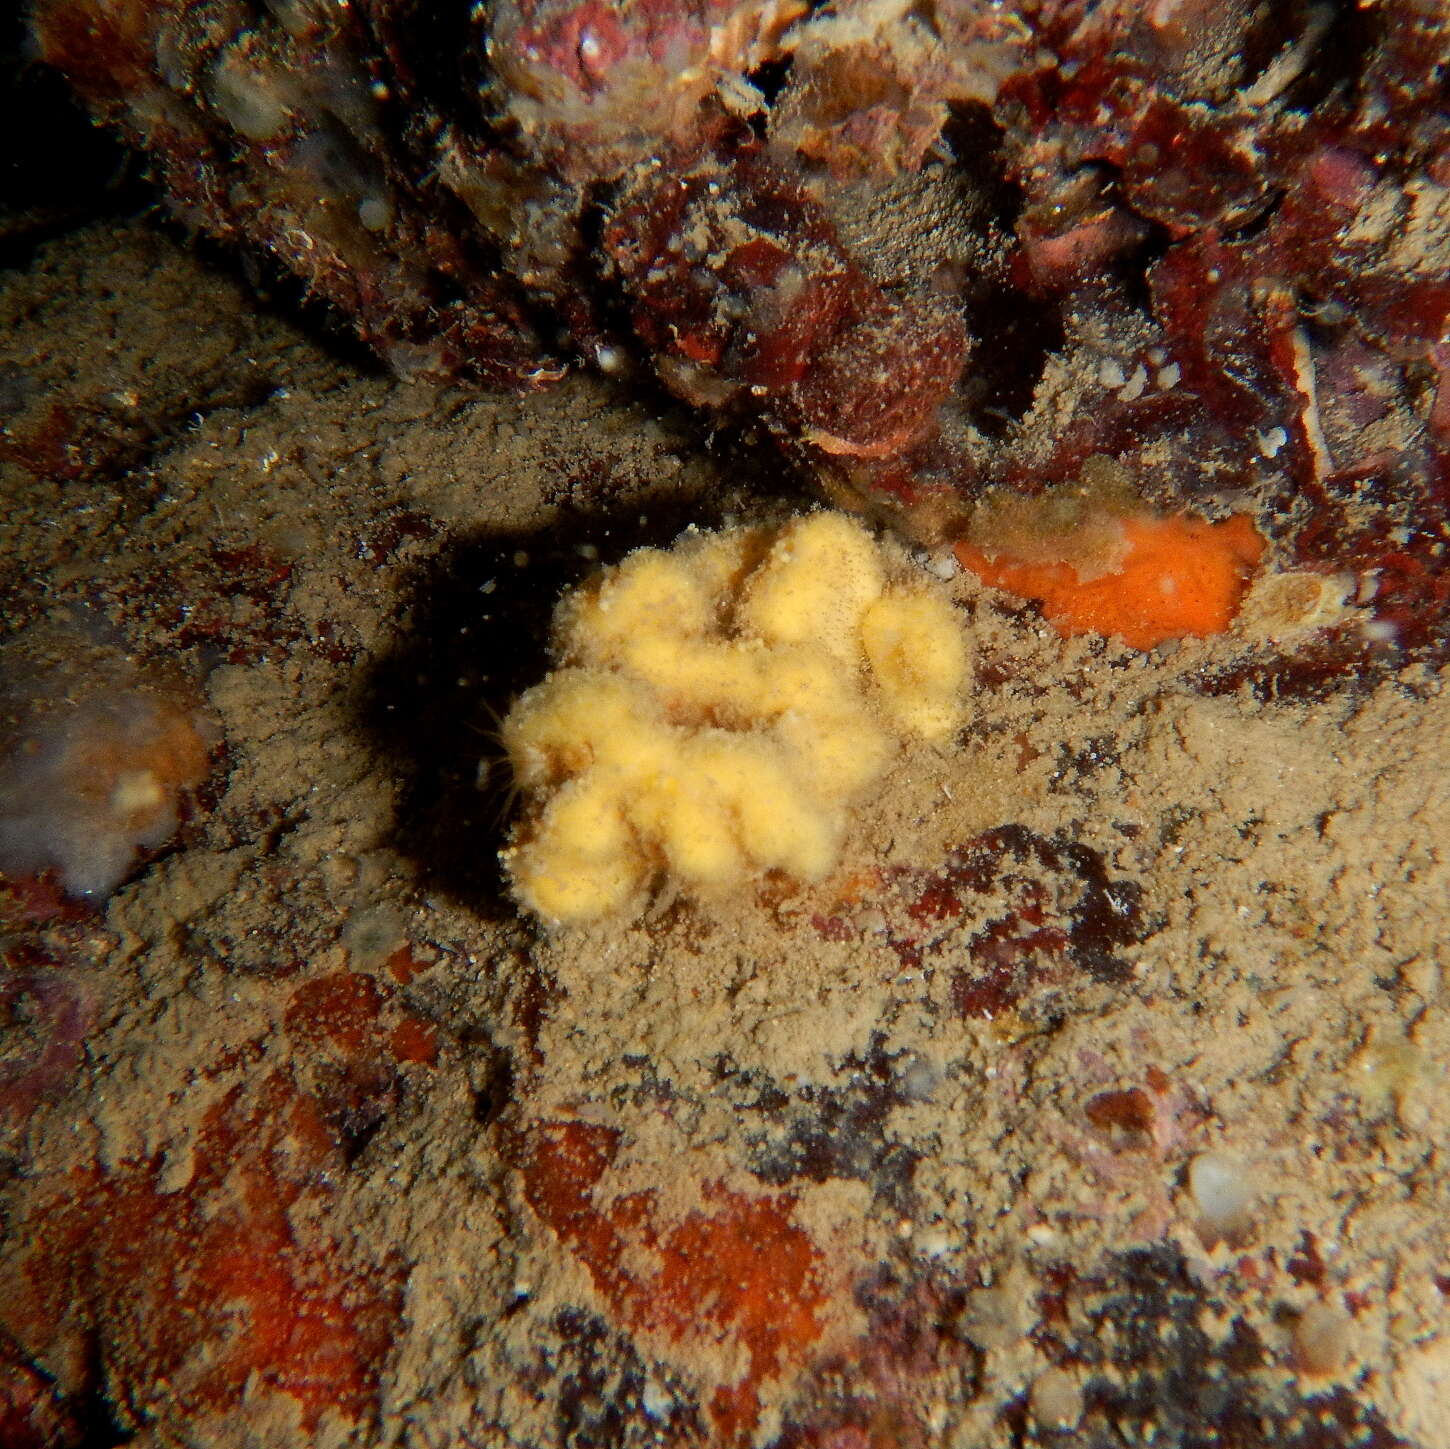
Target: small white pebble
(1271, 442)
(1223, 1191)
(1133, 388)
(374, 212)
(1323, 1339)
(656, 1400)
(1167, 377)
(1055, 1400)
(935, 1243)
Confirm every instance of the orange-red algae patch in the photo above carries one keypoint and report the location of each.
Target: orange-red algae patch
(1177, 577)
(346, 1014)
(341, 1009)
(414, 1041)
(183, 1297)
(738, 1273)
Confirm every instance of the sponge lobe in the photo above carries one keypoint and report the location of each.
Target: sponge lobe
(717, 708)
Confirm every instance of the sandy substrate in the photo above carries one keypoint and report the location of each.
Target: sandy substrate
(921, 1156)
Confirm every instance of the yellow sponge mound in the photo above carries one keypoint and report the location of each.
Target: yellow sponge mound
(717, 707)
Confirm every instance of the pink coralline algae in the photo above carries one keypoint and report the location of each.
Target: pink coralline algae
(932, 249)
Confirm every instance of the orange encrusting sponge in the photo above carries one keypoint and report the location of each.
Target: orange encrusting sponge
(1179, 576)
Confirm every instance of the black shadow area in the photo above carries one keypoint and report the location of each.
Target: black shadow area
(478, 634)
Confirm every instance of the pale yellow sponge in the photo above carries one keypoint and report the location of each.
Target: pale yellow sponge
(718, 707)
